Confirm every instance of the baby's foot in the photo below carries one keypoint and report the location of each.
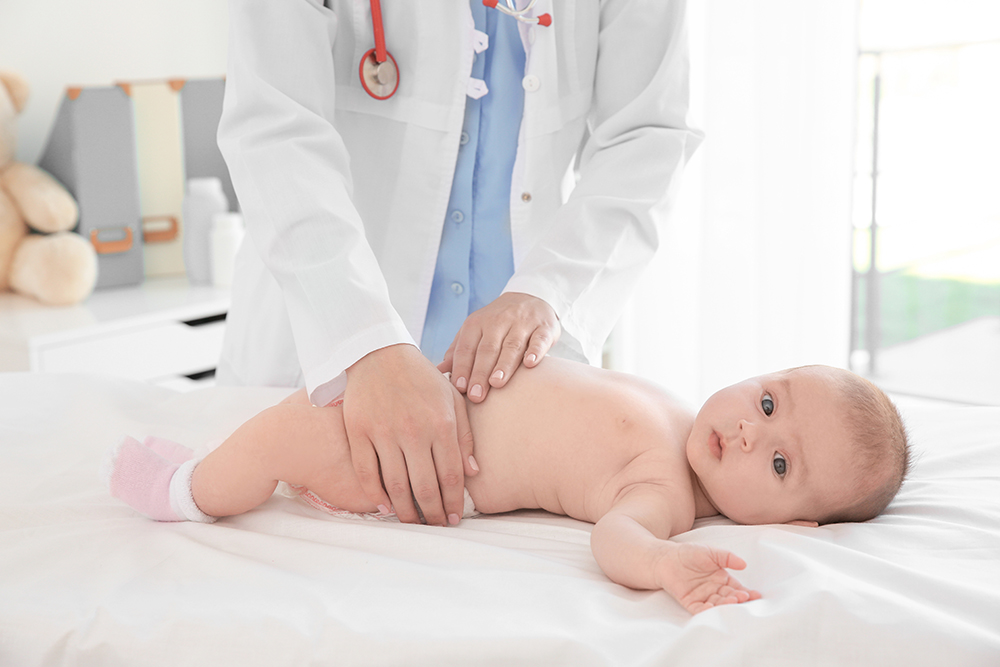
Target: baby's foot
(150, 483)
(169, 449)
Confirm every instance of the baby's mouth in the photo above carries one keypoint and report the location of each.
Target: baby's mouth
(715, 445)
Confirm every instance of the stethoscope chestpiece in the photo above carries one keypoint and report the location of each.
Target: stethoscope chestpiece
(379, 79)
(378, 70)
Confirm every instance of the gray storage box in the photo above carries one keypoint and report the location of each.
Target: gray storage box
(201, 110)
(91, 150)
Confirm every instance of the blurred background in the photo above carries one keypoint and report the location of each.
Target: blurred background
(926, 214)
(844, 208)
(60, 43)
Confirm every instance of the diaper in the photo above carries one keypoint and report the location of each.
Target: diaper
(311, 499)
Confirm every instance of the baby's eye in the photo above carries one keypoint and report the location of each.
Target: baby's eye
(779, 464)
(767, 404)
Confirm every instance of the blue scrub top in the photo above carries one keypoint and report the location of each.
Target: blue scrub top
(475, 259)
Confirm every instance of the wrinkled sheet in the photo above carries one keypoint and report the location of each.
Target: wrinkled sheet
(84, 580)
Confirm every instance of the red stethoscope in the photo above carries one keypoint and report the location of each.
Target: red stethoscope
(378, 70)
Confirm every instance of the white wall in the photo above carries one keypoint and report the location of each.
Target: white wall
(755, 272)
(58, 43)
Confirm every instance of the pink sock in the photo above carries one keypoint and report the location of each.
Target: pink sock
(151, 484)
(168, 449)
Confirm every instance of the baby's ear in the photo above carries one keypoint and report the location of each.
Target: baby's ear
(807, 524)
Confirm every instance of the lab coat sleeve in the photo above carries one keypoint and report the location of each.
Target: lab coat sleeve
(291, 172)
(604, 236)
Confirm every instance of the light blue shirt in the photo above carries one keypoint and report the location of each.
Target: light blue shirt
(475, 259)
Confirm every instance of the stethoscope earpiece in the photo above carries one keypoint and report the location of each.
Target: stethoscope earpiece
(512, 10)
(378, 70)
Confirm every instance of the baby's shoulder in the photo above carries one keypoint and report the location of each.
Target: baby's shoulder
(662, 474)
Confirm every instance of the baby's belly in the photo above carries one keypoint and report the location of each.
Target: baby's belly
(553, 438)
(506, 450)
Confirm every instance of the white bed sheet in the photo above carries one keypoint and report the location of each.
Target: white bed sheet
(86, 581)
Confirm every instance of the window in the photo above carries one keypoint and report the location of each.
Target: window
(926, 287)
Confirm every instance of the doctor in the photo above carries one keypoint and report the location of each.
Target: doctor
(425, 203)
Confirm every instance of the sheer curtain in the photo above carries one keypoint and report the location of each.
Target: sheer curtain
(754, 273)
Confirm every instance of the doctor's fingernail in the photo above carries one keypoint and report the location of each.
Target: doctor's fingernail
(473, 464)
(382, 509)
(461, 383)
(453, 519)
(476, 391)
(498, 375)
(530, 359)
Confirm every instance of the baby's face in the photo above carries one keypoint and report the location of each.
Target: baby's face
(774, 448)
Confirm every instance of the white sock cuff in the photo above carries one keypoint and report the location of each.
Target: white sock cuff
(181, 498)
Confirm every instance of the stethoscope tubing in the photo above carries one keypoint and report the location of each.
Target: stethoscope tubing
(379, 31)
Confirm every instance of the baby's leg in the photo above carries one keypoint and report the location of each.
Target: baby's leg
(292, 442)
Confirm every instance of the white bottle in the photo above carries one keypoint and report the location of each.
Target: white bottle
(203, 200)
(227, 234)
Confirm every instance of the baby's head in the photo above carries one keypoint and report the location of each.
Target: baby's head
(811, 444)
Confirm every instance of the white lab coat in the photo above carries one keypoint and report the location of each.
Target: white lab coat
(344, 196)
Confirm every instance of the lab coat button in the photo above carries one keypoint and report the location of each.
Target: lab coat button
(526, 197)
(476, 88)
(480, 41)
(457, 216)
(457, 288)
(531, 83)
(464, 139)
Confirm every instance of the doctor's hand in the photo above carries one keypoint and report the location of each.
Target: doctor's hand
(402, 416)
(495, 340)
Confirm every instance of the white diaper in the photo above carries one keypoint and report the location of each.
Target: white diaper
(311, 499)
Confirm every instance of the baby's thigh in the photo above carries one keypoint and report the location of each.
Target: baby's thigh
(317, 455)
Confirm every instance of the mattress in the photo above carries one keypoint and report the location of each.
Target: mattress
(84, 580)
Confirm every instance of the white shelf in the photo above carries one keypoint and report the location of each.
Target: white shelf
(158, 331)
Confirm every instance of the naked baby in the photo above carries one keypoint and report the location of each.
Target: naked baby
(807, 446)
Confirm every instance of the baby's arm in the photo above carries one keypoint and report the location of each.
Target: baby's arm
(631, 545)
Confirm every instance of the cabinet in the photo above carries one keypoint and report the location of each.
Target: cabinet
(163, 331)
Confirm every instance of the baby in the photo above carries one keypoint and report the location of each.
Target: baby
(805, 446)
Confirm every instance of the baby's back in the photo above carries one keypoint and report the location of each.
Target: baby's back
(567, 438)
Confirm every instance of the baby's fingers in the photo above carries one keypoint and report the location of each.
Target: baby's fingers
(736, 594)
(739, 591)
(725, 596)
(697, 607)
(714, 600)
(730, 561)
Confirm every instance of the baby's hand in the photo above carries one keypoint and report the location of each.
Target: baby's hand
(696, 576)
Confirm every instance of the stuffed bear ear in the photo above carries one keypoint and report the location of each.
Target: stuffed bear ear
(17, 88)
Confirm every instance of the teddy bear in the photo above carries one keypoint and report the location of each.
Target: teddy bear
(55, 265)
